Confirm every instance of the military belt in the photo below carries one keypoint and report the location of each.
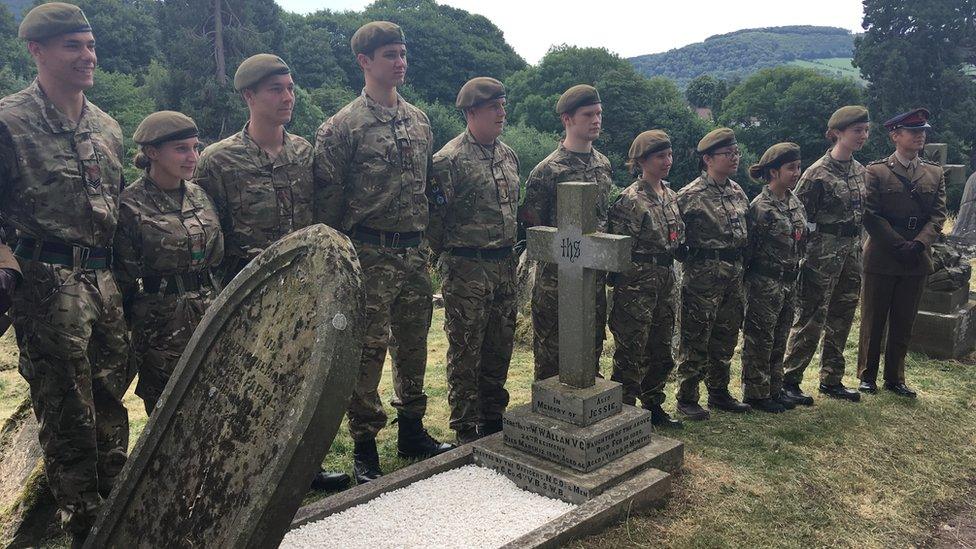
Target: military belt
(772, 271)
(723, 254)
(493, 254)
(912, 223)
(178, 283)
(663, 259)
(388, 239)
(60, 253)
(839, 229)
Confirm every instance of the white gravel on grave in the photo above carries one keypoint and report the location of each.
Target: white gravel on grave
(468, 507)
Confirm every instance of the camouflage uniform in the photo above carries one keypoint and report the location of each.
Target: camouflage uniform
(477, 226)
(539, 208)
(59, 187)
(169, 240)
(777, 228)
(371, 166)
(259, 198)
(832, 193)
(711, 285)
(642, 315)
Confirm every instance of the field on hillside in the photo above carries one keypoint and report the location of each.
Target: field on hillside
(840, 67)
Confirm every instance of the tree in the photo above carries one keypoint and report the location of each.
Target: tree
(706, 91)
(125, 31)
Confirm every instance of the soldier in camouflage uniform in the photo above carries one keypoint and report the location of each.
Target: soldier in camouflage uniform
(580, 111)
(60, 179)
(475, 184)
(642, 315)
(371, 164)
(167, 240)
(777, 229)
(260, 178)
(832, 193)
(713, 208)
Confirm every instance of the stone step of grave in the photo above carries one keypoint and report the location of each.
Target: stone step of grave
(582, 448)
(937, 152)
(579, 406)
(945, 335)
(955, 175)
(553, 480)
(943, 302)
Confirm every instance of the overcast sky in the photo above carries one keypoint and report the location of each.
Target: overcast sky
(628, 27)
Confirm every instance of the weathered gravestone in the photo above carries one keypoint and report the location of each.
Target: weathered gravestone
(577, 439)
(252, 407)
(946, 323)
(27, 507)
(964, 229)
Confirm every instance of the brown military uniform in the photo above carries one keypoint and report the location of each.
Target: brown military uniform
(59, 187)
(371, 166)
(476, 227)
(165, 246)
(901, 204)
(539, 208)
(644, 298)
(259, 198)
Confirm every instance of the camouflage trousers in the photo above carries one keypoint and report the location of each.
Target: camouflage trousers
(642, 323)
(827, 296)
(545, 320)
(769, 314)
(161, 328)
(398, 313)
(711, 315)
(479, 319)
(74, 355)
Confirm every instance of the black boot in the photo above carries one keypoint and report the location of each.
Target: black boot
(797, 395)
(868, 386)
(840, 392)
(366, 461)
(414, 442)
(692, 410)
(660, 418)
(765, 405)
(330, 481)
(784, 400)
(490, 427)
(725, 401)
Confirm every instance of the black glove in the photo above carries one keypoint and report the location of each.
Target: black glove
(908, 251)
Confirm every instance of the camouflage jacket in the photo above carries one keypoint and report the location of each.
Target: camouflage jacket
(653, 221)
(539, 206)
(259, 198)
(832, 191)
(371, 166)
(477, 195)
(59, 181)
(160, 235)
(777, 231)
(714, 213)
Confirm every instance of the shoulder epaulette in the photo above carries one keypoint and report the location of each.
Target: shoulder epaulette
(878, 161)
(927, 161)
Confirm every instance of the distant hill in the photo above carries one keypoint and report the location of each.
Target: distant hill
(17, 7)
(834, 66)
(743, 52)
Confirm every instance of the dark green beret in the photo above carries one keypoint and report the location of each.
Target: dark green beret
(160, 127)
(376, 35)
(53, 19)
(715, 139)
(479, 90)
(578, 96)
(649, 142)
(774, 157)
(256, 68)
(846, 116)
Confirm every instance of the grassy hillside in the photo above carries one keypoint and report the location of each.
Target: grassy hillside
(745, 51)
(833, 66)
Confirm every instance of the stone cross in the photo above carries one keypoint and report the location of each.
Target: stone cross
(579, 251)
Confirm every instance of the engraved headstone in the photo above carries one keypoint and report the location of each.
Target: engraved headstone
(252, 407)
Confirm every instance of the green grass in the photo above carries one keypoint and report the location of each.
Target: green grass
(833, 66)
(880, 473)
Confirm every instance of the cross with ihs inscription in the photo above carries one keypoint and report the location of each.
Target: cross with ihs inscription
(579, 251)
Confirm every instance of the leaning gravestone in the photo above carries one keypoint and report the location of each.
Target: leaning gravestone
(577, 440)
(946, 323)
(964, 228)
(252, 407)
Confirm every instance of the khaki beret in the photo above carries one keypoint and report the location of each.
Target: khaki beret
(774, 157)
(717, 138)
(160, 127)
(845, 116)
(376, 35)
(479, 90)
(578, 96)
(53, 19)
(256, 68)
(649, 142)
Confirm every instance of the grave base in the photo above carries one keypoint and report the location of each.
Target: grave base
(945, 335)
